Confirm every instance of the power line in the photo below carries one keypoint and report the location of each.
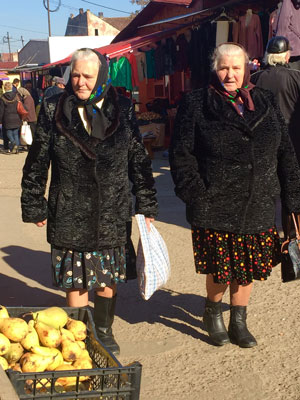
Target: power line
(99, 5)
(22, 29)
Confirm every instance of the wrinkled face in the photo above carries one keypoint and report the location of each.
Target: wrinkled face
(84, 77)
(231, 71)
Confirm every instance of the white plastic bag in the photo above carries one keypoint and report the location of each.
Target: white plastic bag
(152, 261)
(26, 135)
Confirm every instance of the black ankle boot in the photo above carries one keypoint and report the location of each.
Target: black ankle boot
(104, 313)
(237, 329)
(214, 324)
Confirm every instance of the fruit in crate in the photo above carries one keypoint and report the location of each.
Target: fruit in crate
(49, 337)
(46, 351)
(15, 329)
(70, 350)
(3, 363)
(4, 344)
(3, 312)
(32, 337)
(65, 334)
(31, 362)
(56, 317)
(78, 328)
(14, 353)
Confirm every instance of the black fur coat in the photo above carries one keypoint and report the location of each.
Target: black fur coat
(89, 199)
(230, 169)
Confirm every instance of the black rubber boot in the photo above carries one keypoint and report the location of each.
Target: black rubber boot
(214, 324)
(237, 329)
(104, 313)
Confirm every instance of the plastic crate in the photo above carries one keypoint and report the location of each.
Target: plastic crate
(109, 380)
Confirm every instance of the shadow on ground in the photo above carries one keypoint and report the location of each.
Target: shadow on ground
(34, 265)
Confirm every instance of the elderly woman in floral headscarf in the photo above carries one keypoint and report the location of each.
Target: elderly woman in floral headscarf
(90, 136)
(230, 158)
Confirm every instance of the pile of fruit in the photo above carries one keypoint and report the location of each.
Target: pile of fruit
(148, 116)
(50, 341)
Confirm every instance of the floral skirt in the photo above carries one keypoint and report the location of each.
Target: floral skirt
(230, 256)
(88, 270)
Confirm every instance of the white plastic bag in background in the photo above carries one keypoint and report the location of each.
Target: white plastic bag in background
(26, 135)
(152, 261)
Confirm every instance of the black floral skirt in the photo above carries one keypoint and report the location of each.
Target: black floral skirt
(230, 256)
(88, 270)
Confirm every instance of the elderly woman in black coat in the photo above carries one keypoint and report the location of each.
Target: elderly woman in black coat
(230, 158)
(90, 137)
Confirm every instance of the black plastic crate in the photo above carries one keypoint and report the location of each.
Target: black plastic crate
(109, 380)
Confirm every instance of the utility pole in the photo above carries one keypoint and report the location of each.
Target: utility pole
(49, 25)
(22, 40)
(6, 40)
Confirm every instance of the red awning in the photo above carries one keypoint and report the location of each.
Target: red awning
(120, 48)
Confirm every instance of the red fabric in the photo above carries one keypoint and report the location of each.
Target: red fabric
(249, 36)
(134, 70)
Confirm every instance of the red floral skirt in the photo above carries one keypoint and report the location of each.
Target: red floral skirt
(231, 256)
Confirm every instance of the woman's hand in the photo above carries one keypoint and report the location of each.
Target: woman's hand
(41, 224)
(148, 222)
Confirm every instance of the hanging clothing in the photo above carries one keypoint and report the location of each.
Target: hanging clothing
(182, 56)
(120, 73)
(249, 35)
(150, 60)
(169, 56)
(159, 60)
(289, 25)
(273, 21)
(222, 32)
(141, 66)
(134, 70)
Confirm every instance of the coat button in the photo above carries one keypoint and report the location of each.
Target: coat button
(249, 166)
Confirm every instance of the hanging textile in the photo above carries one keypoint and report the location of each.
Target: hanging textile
(247, 32)
(120, 73)
(159, 56)
(134, 70)
(169, 56)
(222, 32)
(182, 53)
(289, 25)
(141, 66)
(150, 60)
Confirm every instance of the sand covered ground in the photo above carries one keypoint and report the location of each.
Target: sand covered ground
(165, 334)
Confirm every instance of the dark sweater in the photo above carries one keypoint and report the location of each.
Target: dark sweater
(9, 116)
(230, 169)
(89, 200)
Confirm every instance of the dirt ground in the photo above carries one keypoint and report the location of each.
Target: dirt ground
(165, 334)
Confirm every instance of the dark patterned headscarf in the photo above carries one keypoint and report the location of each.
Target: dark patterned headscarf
(98, 121)
(239, 96)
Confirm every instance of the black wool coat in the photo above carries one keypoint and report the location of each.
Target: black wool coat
(229, 169)
(89, 199)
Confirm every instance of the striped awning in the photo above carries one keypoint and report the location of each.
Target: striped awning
(3, 76)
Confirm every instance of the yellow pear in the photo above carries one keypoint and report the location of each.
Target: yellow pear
(4, 344)
(49, 337)
(66, 380)
(65, 334)
(70, 350)
(32, 337)
(15, 367)
(81, 344)
(14, 353)
(56, 317)
(83, 363)
(31, 362)
(85, 354)
(47, 351)
(3, 363)
(3, 312)
(78, 328)
(15, 329)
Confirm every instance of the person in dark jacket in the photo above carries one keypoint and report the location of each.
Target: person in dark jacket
(284, 83)
(230, 158)
(9, 117)
(90, 136)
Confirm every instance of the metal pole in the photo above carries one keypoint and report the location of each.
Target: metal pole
(49, 25)
(22, 40)
(9, 46)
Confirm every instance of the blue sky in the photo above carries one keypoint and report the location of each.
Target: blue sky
(30, 19)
